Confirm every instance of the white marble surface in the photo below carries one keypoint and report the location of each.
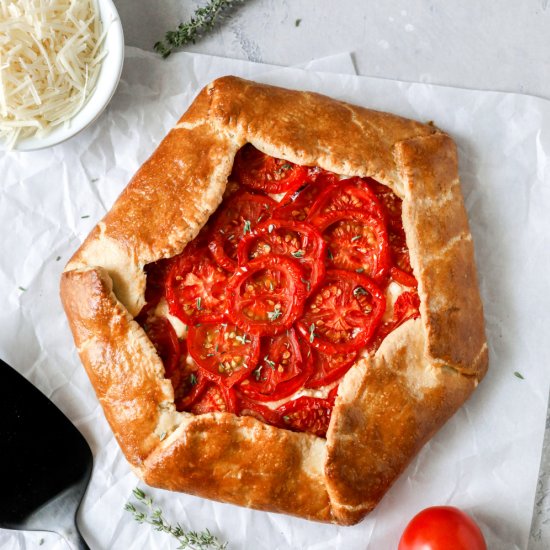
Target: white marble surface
(483, 45)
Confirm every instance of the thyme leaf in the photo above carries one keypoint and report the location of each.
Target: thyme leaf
(275, 314)
(204, 19)
(148, 513)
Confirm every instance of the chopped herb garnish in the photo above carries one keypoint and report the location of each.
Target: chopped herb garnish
(247, 227)
(203, 540)
(360, 269)
(298, 254)
(22, 289)
(40, 542)
(286, 166)
(269, 363)
(242, 339)
(519, 375)
(275, 314)
(359, 291)
(356, 238)
(307, 283)
(286, 418)
(84, 217)
(297, 22)
(58, 258)
(311, 332)
(257, 372)
(94, 180)
(162, 436)
(193, 379)
(329, 254)
(199, 300)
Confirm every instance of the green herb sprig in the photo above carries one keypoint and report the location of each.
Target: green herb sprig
(190, 540)
(204, 19)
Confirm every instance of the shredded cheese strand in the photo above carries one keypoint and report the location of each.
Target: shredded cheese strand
(50, 57)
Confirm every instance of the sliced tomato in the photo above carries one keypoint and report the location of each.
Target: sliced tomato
(400, 251)
(246, 407)
(267, 295)
(238, 216)
(391, 203)
(298, 240)
(189, 384)
(196, 287)
(260, 172)
(156, 274)
(356, 241)
(343, 314)
(216, 398)
(328, 368)
(348, 194)
(297, 203)
(405, 307)
(224, 352)
(164, 338)
(307, 414)
(402, 277)
(282, 369)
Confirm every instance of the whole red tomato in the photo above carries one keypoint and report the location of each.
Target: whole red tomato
(442, 528)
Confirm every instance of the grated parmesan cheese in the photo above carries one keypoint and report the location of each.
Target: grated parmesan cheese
(50, 56)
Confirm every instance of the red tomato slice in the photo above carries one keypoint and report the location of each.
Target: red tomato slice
(329, 368)
(390, 202)
(297, 240)
(224, 352)
(216, 398)
(237, 217)
(156, 274)
(405, 307)
(267, 295)
(307, 414)
(403, 278)
(281, 371)
(296, 204)
(246, 407)
(165, 340)
(196, 287)
(189, 384)
(260, 172)
(356, 241)
(442, 528)
(348, 194)
(400, 252)
(343, 314)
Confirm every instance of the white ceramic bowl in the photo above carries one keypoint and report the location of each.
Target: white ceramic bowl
(109, 76)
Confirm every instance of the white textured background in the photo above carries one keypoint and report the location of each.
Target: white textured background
(492, 45)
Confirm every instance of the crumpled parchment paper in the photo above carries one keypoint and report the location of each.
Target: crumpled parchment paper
(484, 460)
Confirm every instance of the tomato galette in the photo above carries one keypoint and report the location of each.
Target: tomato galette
(281, 308)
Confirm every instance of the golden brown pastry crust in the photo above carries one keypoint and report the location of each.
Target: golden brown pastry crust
(388, 405)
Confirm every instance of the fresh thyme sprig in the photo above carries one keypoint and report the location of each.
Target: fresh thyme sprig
(204, 19)
(190, 540)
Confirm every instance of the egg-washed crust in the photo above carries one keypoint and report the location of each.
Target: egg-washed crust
(388, 405)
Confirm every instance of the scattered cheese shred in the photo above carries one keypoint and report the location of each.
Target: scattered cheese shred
(50, 56)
